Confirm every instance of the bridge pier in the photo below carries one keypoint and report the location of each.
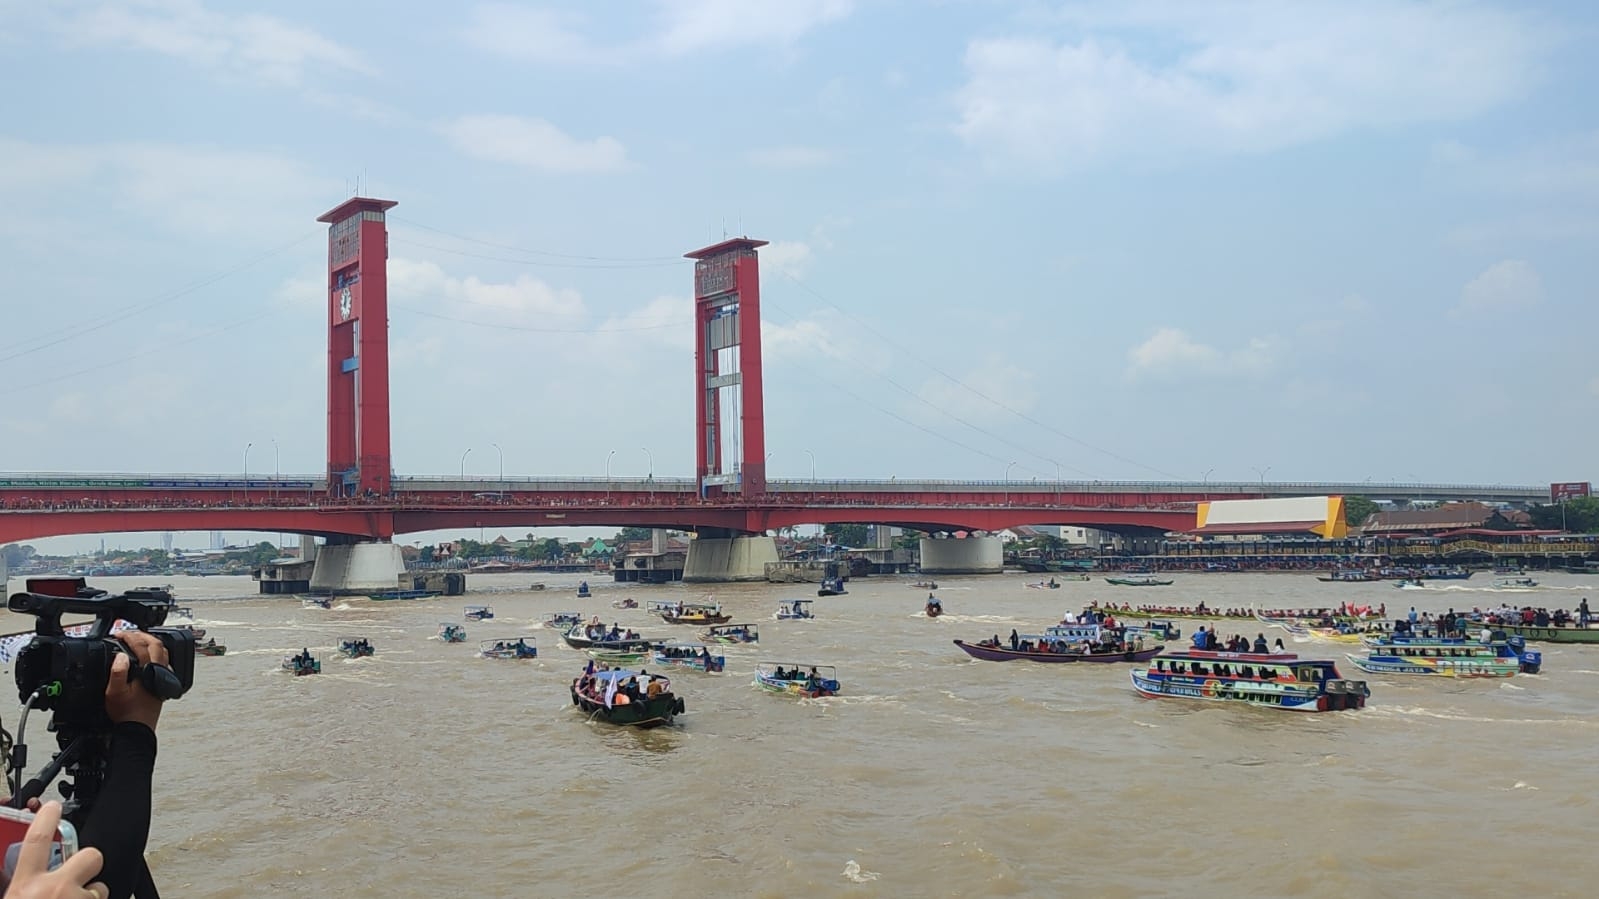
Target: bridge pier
(357, 568)
(714, 558)
(968, 555)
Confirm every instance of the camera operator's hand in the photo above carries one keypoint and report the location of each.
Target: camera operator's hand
(130, 701)
(34, 880)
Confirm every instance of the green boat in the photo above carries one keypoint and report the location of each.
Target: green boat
(1141, 580)
(600, 697)
(387, 595)
(1550, 634)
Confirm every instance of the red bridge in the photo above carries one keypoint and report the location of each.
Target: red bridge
(359, 499)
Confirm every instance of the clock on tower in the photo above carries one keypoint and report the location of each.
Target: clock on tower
(344, 303)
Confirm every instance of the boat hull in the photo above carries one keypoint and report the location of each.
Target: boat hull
(1571, 634)
(646, 713)
(696, 619)
(1001, 654)
(1137, 582)
(1279, 699)
(1430, 667)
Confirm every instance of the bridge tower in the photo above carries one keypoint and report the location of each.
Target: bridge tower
(359, 460)
(729, 416)
(358, 347)
(730, 424)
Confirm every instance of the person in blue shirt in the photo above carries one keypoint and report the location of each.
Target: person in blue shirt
(1201, 639)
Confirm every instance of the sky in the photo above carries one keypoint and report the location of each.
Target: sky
(1229, 240)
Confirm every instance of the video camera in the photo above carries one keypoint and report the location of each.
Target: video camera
(74, 670)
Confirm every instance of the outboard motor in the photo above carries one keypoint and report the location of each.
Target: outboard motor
(1531, 659)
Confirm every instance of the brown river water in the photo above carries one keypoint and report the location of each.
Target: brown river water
(426, 771)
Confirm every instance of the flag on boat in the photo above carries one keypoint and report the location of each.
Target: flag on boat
(10, 646)
(610, 691)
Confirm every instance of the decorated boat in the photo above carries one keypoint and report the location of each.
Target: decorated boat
(356, 647)
(1154, 630)
(1270, 680)
(583, 591)
(1040, 648)
(628, 603)
(1138, 580)
(563, 621)
(689, 655)
(302, 663)
(1348, 576)
(932, 608)
(1447, 657)
(795, 679)
(1515, 583)
(508, 648)
(794, 610)
(630, 698)
(316, 602)
(831, 586)
(478, 613)
(210, 648)
(695, 613)
(1570, 633)
(731, 633)
(387, 595)
(450, 632)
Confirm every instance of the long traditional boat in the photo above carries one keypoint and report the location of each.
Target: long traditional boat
(731, 633)
(1172, 612)
(450, 632)
(1515, 583)
(923, 585)
(356, 647)
(1138, 580)
(387, 595)
(689, 655)
(508, 648)
(628, 603)
(1348, 576)
(1550, 634)
(478, 613)
(991, 652)
(603, 697)
(1271, 680)
(1447, 657)
(795, 679)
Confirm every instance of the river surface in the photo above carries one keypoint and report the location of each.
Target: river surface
(426, 771)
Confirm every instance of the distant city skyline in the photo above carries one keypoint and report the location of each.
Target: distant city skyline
(1233, 240)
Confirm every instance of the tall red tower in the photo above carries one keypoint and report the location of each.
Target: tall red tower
(358, 347)
(730, 435)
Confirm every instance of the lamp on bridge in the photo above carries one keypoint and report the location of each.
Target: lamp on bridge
(463, 462)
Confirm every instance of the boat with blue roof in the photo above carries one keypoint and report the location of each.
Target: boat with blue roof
(796, 679)
(1447, 656)
(627, 698)
(1269, 680)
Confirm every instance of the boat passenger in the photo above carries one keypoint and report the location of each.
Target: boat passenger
(1201, 638)
(1279, 646)
(654, 688)
(1260, 644)
(1015, 640)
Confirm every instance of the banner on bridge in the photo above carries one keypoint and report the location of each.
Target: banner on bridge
(1559, 493)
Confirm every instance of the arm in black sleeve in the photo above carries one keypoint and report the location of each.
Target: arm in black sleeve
(119, 822)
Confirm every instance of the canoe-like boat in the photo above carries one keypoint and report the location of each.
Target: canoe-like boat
(1515, 583)
(1050, 584)
(689, 655)
(697, 616)
(387, 595)
(536, 587)
(356, 647)
(923, 585)
(1000, 653)
(302, 664)
(604, 696)
(795, 679)
(478, 613)
(1270, 680)
(508, 648)
(450, 632)
(731, 633)
(1141, 580)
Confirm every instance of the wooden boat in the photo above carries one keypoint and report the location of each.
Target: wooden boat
(210, 648)
(316, 602)
(450, 632)
(1270, 680)
(356, 647)
(991, 652)
(583, 590)
(478, 613)
(302, 664)
(1140, 580)
(831, 586)
(793, 679)
(388, 595)
(731, 633)
(592, 640)
(1447, 657)
(629, 603)
(695, 613)
(1154, 630)
(508, 648)
(563, 621)
(1571, 633)
(794, 610)
(689, 655)
(923, 585)
(1073, 576)
(933, 608)
(601, 696)
(1515, 583)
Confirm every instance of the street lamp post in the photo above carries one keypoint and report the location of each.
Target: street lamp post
(463, 462)
(1007, 480)
(247, 471)
(813, 468)
(1262, 473)
(608, 459)
(502, 463)
(650, 456)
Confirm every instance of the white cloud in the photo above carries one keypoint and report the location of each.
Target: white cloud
(1245, 77)
(676, 28)
(1171, 352)
(254, 44)
(790, 256)
(793, 157)
(533, 143)
(525, 298)
(1509, 284)
(803, 339)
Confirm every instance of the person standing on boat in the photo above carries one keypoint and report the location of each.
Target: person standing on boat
(1015, 640)
(1582, 613)
(1260, 644)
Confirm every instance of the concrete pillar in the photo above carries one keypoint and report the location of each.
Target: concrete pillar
(357, 568)
(713, 560)
(971, 555)
(883, 536)
(658, 540)
(307, 548)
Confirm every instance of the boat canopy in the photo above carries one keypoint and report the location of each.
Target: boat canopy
(790, 602)
(478, 608)
(506, 642)
(682, 645)
(826, 671)
(622, 674)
